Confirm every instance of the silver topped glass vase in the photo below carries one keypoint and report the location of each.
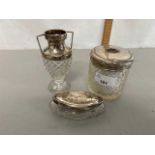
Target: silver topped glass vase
(57, 57)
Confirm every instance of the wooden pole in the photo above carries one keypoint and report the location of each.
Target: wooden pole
(107, 32)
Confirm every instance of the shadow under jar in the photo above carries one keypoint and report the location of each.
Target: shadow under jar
(108, 71)
(57, 57)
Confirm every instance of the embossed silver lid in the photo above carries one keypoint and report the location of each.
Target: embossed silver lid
(113, 57)
(77, 99)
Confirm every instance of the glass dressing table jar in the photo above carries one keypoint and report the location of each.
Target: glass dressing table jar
(108, 71)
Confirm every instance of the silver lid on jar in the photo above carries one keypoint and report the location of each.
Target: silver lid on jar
(77, 99)
(113, 58)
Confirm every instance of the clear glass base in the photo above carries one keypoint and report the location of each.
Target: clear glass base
(107, 97)
(76, 114)
(58, 71)
(58, 86)
(107, 84)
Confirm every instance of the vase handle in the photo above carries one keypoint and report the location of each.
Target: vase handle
(38, 36)
(72, 36)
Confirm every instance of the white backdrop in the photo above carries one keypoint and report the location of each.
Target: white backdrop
(20, 34)
(133, 33)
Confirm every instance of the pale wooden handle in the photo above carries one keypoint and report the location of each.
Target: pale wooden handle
(107, 32)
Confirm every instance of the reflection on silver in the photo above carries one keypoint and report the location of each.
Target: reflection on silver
(77, 99)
